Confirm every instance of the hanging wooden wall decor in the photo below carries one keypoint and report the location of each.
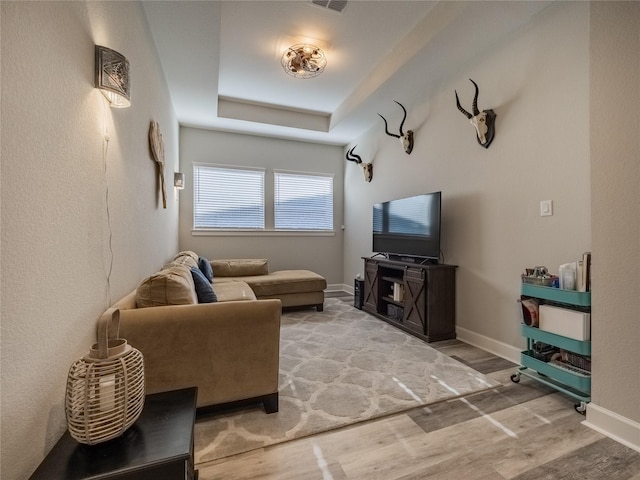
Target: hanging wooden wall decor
(157, 150)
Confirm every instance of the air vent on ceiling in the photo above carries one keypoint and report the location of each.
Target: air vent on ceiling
(334, 5)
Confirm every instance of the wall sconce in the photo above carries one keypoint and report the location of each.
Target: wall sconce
(178, 180)
(112, 76)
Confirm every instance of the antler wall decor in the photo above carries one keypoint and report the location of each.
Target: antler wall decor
(405, 138)
(367, 168)
(484, 122)
(157, 150)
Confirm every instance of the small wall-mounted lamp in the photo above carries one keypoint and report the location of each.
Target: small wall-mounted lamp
(178, 180)
(112, 76)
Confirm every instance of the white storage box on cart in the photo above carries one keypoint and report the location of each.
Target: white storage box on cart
(565, 322)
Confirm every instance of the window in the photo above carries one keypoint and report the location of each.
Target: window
(228, 197)
(303, 201)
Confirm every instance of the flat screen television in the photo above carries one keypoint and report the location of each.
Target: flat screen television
(408, 227)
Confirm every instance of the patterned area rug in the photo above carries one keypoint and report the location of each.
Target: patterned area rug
(338, 367)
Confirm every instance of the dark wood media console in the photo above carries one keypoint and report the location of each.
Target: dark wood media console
(419, 299)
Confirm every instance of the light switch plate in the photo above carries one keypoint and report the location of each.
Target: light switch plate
(546, 208)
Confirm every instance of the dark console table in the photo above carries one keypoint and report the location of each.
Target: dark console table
(419, 299)
(159, 446)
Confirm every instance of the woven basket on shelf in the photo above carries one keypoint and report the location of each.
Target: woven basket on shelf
(105, 389)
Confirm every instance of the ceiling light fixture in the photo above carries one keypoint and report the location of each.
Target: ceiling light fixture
(304, 61)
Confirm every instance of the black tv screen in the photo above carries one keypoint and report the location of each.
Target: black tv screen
(408, 226)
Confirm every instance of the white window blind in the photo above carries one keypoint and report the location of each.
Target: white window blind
(226, 197)
(303, 201)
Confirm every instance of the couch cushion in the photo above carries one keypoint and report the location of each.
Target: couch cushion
(171, 286)
(205, 267)
(204, 290)
(239, 267)
(232, 291)
(217, 279)
(286, 281)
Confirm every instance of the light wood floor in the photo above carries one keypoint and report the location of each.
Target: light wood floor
(516, 431)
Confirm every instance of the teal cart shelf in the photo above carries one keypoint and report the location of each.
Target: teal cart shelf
(575, 385)
(578, 385)
(570, 297)
(566, 343)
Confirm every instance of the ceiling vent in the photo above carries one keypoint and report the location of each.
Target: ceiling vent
(333, 5)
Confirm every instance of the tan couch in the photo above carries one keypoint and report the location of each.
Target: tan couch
(228, 349)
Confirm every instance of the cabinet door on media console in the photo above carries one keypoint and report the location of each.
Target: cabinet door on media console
(371, 286)
(440, 307)
(415, 300)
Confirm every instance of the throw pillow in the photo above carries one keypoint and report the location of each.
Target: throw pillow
(205, 267)
(171, 286)
(240, 267)
(186, 258)
(186, 253)
(204, 290)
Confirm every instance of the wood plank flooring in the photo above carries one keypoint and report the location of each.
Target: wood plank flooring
(522, 431)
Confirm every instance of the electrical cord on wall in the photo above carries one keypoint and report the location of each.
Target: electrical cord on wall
(105, 151)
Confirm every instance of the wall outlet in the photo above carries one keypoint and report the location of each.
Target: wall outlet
(546, 208)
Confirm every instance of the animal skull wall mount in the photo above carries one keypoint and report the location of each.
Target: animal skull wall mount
(484, 122)
(367, 168)
(405, 138)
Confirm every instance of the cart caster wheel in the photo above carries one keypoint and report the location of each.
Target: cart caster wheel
(515, 378)
(581, 408)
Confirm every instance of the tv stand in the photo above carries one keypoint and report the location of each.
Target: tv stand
(417, 298)
(410, 259)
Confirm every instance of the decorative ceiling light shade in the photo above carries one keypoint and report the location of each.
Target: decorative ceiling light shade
(304, 61)
(112, 76)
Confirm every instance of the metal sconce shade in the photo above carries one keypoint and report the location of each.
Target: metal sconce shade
(304, 61)
(178, 180)
(112, 76)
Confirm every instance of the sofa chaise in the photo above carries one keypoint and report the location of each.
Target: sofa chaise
(294, 288)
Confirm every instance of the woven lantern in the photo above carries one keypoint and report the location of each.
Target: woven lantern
(105, 389)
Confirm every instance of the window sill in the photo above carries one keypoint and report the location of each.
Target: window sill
(261, 233)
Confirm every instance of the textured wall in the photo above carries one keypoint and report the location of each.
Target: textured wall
(58, 243)
(537, 81)
(615, 169)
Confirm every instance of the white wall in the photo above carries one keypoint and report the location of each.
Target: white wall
(55, 228)
(615, 144)
(537, 82)
(322, 254)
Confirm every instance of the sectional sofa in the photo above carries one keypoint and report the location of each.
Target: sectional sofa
(229, 346)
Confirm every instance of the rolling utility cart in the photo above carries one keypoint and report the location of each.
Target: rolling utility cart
(559, 361)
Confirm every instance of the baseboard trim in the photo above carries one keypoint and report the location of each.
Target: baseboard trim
(490, 345)
(613, 425)
(338, 287)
